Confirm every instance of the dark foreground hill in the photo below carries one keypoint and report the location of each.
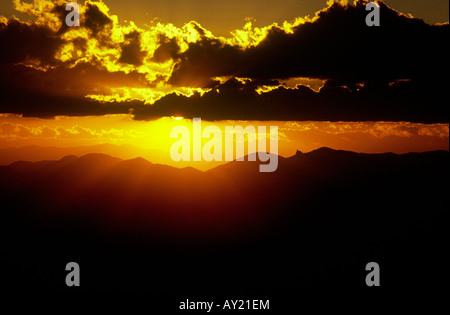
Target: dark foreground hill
(315, 222)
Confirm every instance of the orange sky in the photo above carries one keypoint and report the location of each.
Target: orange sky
(152, 139)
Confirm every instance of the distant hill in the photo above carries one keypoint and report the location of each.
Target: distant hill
(317, 220)
(34, 153)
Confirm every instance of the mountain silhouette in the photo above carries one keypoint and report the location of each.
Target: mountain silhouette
(35, 153)
(315, 222)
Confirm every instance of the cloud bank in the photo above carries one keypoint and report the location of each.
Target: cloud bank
(394, 72)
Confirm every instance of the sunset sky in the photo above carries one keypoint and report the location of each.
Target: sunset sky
(312, 68)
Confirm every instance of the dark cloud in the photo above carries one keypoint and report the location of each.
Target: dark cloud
(83, 79)
(20, 41)
(338, 45)
(168, 49)
(393, 72)
(132, 52)
(94, 19)
(33, 103)
(45, 105)
(62, 90)
(371, 101)
(60, 11)
(206, 59)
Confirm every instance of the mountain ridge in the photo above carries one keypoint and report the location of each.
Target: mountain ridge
(322, 151)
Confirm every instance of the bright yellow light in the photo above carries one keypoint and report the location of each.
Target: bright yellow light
(177, 117)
